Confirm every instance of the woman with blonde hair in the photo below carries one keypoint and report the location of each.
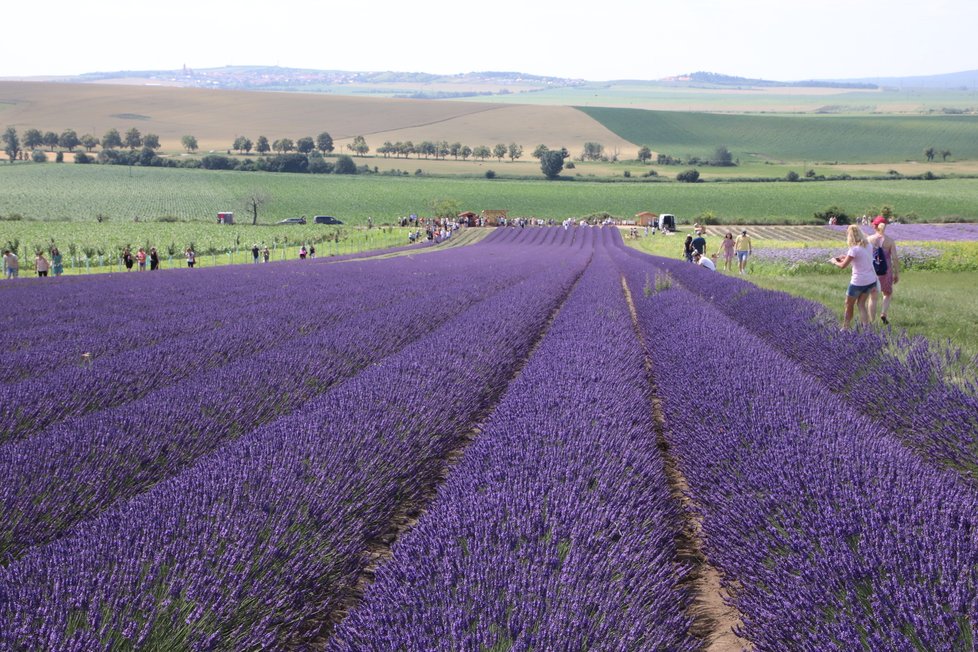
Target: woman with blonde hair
(862, 284)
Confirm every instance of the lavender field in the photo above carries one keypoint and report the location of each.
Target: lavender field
(542, 441)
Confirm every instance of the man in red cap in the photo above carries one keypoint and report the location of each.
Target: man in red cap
(891, 274)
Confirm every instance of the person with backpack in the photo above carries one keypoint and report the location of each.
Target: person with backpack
(862, 285)
(886, 262)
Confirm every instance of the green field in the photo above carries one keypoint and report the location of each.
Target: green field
(81, 192)
(938, 303)
(816, 138)
(726, 99)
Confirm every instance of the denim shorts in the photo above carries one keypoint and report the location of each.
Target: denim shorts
(742, 255)
(855, 291)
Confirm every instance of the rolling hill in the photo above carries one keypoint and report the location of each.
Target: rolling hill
(216, 117)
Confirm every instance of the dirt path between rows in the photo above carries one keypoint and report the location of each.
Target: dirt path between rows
(713, 619)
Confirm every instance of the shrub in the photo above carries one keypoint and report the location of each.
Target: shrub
(82, 158)
(689, 176)
(791, 176)
(38, 156)
(59, 157)
(490, 174)
(569, 165)
(345, 165)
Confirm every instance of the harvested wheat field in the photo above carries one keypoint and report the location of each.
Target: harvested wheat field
(217, 117)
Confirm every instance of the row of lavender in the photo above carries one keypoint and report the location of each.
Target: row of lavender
(215, 332)
(260, 543)
(75, 313)
(556, 530)
(925, 394)
(96, 459)
(828, 531)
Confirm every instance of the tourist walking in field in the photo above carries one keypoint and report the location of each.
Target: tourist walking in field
(862, 284)
(265, 254)
(890, 274)
(11, 266)
(57, 262)
(141, 259)
(727, 247)
(744, 248)
(254, 253)
(688, 249)
(154, 259)
(699, 242)
(312, 251)
(41, 264)
(127, 259)
(302, 252)
(191, 257)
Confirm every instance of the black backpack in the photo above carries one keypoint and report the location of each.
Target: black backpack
(879, 261)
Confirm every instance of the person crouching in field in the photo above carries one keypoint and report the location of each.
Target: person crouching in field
(862, 284)
(704, 261)
(890, 275)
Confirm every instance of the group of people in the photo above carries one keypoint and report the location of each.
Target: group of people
(694, 250)
(43, 266)
(875, 269)
(141, 257)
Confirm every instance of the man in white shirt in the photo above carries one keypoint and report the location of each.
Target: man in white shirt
(704, 261)
(11, 266)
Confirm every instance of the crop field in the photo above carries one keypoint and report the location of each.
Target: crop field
(656, 96)
(216, 118)
(538, 431)
(795, 137)
(81, 192)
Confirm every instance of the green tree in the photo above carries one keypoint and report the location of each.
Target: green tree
(111, 139)
(262, 146)
(499, 151)
(11, 143)
(89, 142)
(246, 145)
(359, 146)
(689, 176)
(50, 140)
(152, 141)
(465, 152)
(305, 145)
(722, 157)
(133, 139)
(238, 144)
(481, 152)
(68, 140)
(345, 165)
(455, 149)
(324, 142)
(33, 139)
(540, 151)
(592, 151)
(552, 162)
(189, 143)
(644, 154)
(444, 208)
(515, 151)
(426, 148)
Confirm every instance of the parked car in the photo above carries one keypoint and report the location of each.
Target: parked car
(326, 219)
(293, 220)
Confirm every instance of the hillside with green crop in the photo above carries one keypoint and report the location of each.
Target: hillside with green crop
(871, 138)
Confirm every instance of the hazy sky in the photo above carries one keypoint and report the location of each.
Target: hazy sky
(615, 39)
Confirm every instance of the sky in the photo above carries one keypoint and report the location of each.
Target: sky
(617, 39)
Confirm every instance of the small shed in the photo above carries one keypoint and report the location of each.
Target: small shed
(645, 218)
(225, 218)
(492, 217)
